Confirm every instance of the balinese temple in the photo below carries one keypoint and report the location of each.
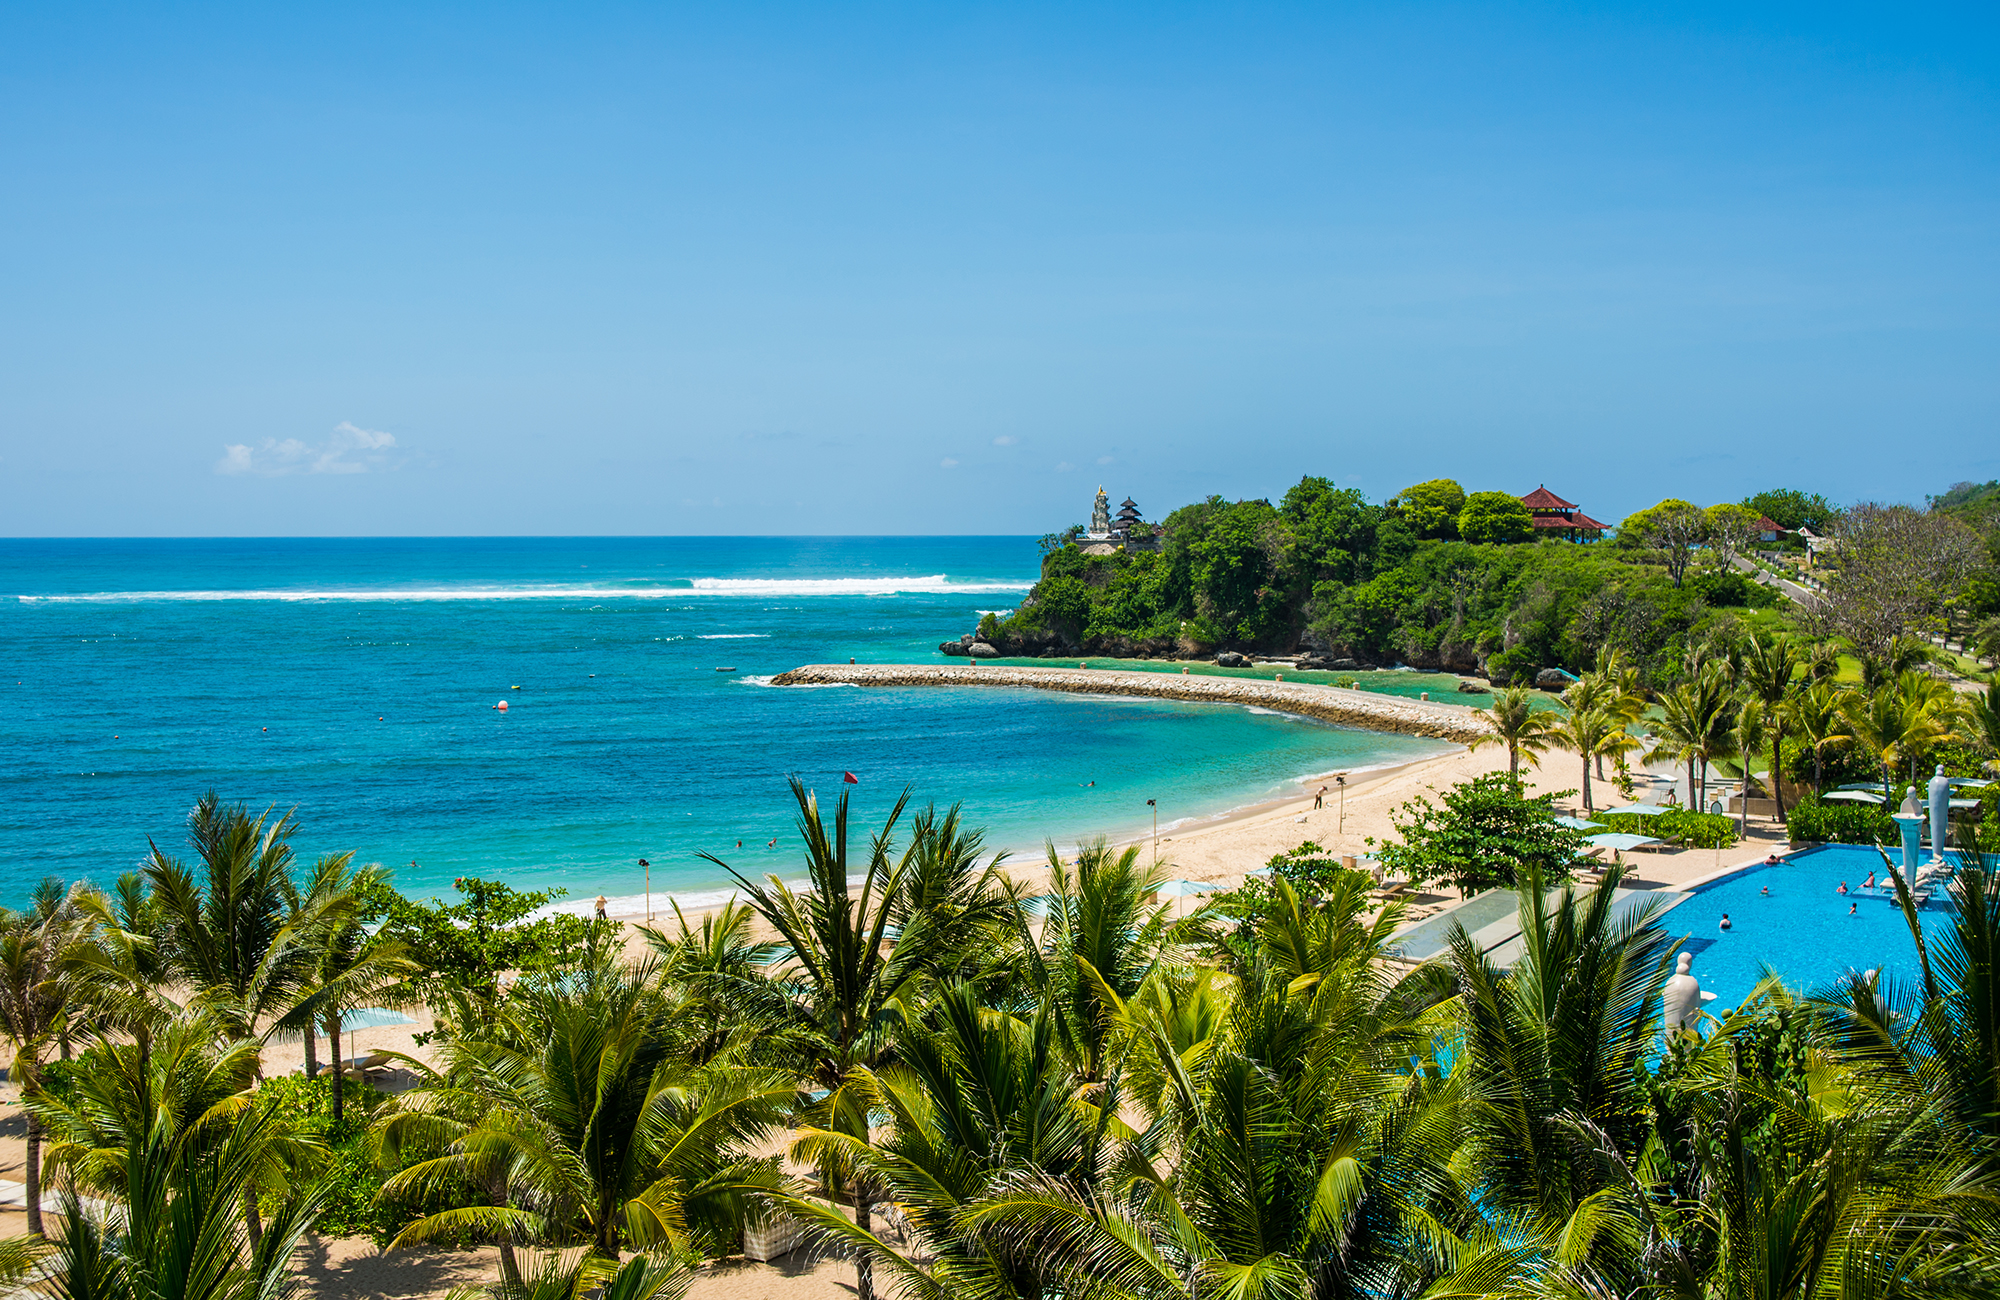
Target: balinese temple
(1128, 519)
(1107, 536)
(1555, 517)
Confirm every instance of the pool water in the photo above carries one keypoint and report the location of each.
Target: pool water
(1802, 929)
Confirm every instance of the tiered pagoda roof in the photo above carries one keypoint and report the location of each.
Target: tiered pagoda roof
(1553, 514)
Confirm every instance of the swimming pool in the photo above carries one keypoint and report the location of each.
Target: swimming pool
(1802, 929)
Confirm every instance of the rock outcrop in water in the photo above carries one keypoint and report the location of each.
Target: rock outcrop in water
(1454, 722)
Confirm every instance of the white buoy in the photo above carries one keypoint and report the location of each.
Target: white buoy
(502, 706)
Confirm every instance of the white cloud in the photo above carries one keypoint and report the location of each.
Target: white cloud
(1004, 440)
(348, 450)
(1104, 460)
(948, 463)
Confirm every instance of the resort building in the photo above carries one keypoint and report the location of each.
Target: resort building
(1555, 517)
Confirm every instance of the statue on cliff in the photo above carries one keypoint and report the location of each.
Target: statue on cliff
(1100, 518)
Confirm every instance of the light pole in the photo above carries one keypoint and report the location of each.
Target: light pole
(649, 887)
(1340, 823)
(1154, 804)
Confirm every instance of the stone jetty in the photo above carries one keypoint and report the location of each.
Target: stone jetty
(1351, 708)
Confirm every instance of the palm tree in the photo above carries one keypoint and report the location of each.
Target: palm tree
(117, 972)
(1769, 666)
(1900, 721)
(851, 979)
(32, 996)
(593, 1124)
(341, 966)
(1695, 728)
(1819, 715)
(225, 930)
(1752, 726)
(1982, 716)
(174, 1230)
(1518, 726)
(1591, 733)
(565, 1275)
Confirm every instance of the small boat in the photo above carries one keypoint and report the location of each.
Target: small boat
(725, 670)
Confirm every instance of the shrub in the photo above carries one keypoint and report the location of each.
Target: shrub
(1481, 837)
(1840, 823)
(1697, 830)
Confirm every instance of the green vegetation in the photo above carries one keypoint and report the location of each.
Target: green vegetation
(1481, 834)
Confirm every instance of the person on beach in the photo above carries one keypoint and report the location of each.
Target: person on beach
(1319, 800)
(601, 900)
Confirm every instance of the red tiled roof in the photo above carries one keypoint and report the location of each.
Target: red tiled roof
(1577, 520)
(1765, 524)
(1582, 520)
(1543, 499)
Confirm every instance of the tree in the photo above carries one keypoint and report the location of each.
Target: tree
(1819, 715)
(1695, 725)
(1674, 528)
(1589, 733)
(118, 972)
(1330, 525)
(1519, 726)
(31, 1004)
(1897, 724)
(1495, 517)
(1485, 832)
(1732, 529)
(1893, 571)
(1770, 664)
(604, 1128)
(848, 986)
(1792, 509)
(1430, 509)
(224, 931)
(343, 966)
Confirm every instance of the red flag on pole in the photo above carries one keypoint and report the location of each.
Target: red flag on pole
(850, 778)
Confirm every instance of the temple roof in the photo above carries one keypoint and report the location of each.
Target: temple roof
(1543, 499)
(1577, 520)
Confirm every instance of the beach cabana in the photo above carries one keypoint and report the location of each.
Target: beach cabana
(1635, 810)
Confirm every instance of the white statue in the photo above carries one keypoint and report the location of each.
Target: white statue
(1100, 517)
(1682, 997)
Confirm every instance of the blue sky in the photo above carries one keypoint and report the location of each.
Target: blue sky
(943, 269)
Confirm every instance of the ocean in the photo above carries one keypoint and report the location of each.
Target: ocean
(355, 682)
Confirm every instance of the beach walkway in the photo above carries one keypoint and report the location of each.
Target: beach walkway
(1351, 708)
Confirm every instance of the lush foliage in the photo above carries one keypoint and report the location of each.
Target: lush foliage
(1481, 833)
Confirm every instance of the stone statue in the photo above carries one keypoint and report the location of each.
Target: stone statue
(1940, 813)
(1100, 517)
(1681, 999)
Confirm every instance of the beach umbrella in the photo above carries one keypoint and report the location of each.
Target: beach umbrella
(1619, 841)
(1850, 796)
(368, 1018)
(1636, 810)
(1579, 824)
(1184, 888)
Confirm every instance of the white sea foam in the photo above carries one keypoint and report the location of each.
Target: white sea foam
(932, 584)
(733, 636)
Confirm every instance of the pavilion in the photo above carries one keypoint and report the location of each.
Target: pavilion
(1555, 517)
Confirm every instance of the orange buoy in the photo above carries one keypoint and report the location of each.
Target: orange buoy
(502, 706)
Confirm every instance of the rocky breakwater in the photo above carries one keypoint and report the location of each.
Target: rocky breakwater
(1351, 708)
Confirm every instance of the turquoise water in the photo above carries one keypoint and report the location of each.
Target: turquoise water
(355, 680)
(1803, 929)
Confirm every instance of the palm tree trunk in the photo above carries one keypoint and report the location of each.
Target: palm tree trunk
(253, 1222)
(1513, 761)
(1586, 785)
(312, 1049)
(864, 1263)
(34, 1176)
(1777, 786)
(339, 1066)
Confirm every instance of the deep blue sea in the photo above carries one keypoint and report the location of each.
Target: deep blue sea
(354, 680)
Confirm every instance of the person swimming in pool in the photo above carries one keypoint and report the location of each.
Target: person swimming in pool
(1853, 908)
(1724, 923)
(1772, 859)
(1767, 891)
(1870, 882)
(1842, 889)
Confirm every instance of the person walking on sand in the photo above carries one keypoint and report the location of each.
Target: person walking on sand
(601, 900)
(1319, 800)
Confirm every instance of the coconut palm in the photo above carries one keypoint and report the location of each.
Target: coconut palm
(117, 973)
(852, 980)
(1770, 666)
(1982, 719)
(174, 1231)
(225, 928)
(1818, 714)
(340, 966)
(1899, 722)
(594, 1121)
(566, 1275)
(1590, 734)
(32, 996)
(1518, 726)
(1753, 725)
(1696, 725)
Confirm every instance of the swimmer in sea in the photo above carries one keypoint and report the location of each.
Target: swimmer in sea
(774, 844)
(1724, 923)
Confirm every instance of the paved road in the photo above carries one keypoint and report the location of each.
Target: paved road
(1791, 590)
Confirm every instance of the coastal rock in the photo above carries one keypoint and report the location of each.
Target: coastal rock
(1343, 665)
(981, 650)
(1231, 659)
(1553, 679)
(1469, 687)
(954, 648)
